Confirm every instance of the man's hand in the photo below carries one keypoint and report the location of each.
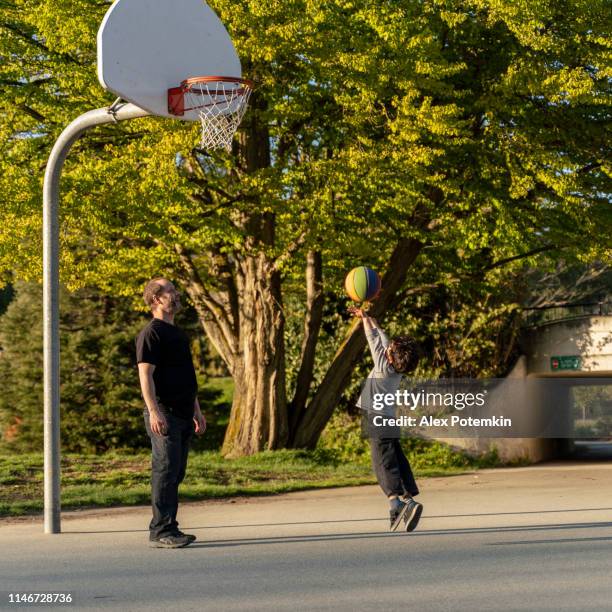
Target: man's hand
(200, 423)
(158, 422)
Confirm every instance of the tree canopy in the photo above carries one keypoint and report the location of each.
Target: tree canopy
(441, 142)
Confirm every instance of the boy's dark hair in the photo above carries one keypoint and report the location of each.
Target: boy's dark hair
(404, 354)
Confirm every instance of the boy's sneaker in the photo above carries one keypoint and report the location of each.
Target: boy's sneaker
(397, 515)
(191, 537)
(412, 514)
(171, 541)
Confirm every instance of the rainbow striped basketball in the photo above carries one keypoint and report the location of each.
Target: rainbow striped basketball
(362, 284)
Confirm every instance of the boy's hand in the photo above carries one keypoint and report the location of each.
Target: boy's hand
(356, 312)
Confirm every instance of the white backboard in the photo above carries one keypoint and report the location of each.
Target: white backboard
(146, 47)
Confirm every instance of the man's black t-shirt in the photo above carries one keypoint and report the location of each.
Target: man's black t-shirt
(167, 348)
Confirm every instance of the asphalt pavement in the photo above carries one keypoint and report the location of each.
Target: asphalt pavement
(533, 538)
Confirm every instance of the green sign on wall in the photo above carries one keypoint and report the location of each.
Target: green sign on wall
(565, 362)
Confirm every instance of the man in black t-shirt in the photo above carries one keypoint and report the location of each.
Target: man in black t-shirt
(169, 388)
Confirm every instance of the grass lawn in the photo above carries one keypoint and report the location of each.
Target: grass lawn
(123, 477)
(115, 479)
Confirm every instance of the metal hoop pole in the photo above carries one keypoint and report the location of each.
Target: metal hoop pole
(51, 348)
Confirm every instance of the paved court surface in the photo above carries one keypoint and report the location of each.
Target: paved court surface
(534, 538)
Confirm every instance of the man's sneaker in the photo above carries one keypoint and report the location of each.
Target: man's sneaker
(171, 541)
(412, 514)
(396, 515)
(191, 537)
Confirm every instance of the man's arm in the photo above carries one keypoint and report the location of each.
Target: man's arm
(158, 422)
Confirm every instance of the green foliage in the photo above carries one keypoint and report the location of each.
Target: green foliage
(215, 396)
(343, 441)
(466, 328)
(101, 404)
(592, 411)
(21, 369)
(431, 455)
(478, 128)
(369, 108)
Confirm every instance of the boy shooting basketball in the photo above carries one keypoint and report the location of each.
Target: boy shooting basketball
(391, 360)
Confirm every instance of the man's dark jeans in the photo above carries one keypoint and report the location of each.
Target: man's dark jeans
(169, 462)
(392, 469)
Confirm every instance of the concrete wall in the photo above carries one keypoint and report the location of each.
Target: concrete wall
(587, 337)
(528, 450)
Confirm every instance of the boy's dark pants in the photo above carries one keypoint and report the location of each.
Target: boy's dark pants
(392, 469)
(169, 462)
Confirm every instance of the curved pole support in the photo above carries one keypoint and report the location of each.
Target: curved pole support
(100, 116)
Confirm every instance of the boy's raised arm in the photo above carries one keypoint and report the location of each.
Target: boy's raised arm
(377, 340)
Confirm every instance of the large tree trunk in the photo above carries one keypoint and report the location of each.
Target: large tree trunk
(258, 420)
(248, 333)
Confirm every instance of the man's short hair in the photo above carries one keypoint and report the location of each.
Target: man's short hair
(404, 354)
(152, 290)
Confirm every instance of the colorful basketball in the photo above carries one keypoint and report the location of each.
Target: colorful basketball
(362, 284)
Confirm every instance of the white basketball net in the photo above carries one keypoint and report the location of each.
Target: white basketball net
(221, 106)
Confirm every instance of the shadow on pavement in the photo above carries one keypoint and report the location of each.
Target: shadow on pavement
(419, 533)
(342, 521)
(559, 541)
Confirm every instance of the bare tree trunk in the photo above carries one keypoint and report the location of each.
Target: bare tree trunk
(245, 322)
(337, 377)
(312, 325)
(258, 419)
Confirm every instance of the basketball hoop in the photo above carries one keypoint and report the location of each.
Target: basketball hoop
(220, 102)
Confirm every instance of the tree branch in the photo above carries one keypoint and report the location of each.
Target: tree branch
(226, 340)
(502, 262)
(312, 325)
(293, 247)
(31, 112)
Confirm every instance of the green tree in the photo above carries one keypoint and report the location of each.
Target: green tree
(21, 371)
(101, 402)
(440, 142)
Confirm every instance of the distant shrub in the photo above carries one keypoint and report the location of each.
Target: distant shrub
(342, 439)
(101, 404)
